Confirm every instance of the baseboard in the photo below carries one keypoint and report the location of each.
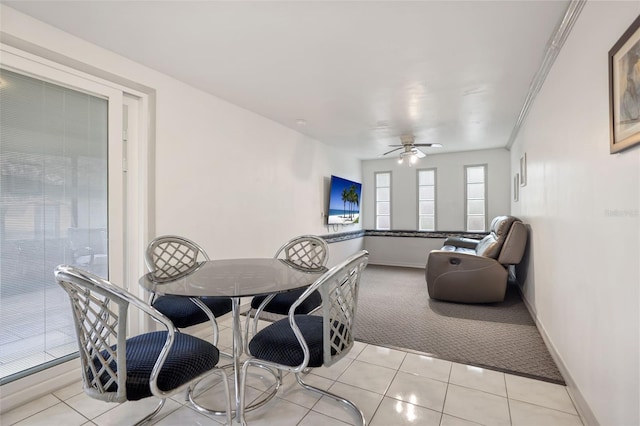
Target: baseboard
(584, 411)
(39, 384)
(401, 265)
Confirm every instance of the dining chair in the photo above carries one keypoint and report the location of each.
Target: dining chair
(116, 368)
(168, 257)
(307, 252)
(299, 341)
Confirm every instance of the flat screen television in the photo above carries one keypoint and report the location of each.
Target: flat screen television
(344, 201)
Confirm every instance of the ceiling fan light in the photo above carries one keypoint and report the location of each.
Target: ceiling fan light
(411, 157)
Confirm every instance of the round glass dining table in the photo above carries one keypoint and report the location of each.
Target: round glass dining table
(233, 278)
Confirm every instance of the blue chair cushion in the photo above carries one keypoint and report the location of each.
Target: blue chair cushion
(188, 358)
(281, 303)
(184, 313)
(277, 342)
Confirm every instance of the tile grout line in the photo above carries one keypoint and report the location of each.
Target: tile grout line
(83, 416)
(60, 401)
(384, 395)
(506, 391)
(446, 392)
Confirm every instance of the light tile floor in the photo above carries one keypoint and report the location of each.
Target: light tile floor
(391, 387)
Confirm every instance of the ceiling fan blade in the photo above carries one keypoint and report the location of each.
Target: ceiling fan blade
(432, 145)
(389, 152)
(419, 153)
(396, 145)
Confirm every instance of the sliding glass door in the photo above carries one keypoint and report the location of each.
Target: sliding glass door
(59, 189)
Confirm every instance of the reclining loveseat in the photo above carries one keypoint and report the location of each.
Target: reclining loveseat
(476, 271)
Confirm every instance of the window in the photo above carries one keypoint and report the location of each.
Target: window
(476, 200)
(383, 200)
(427, 200)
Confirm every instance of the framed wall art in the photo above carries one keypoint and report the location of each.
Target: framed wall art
(624, 90)
(523, 170)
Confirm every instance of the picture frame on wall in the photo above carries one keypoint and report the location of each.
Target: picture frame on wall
(523, 170)
(516, 187)
(624, 90)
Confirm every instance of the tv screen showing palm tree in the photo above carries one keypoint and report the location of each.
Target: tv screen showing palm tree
(344, 201)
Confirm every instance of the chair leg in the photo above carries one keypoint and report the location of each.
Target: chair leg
(256, 319)
(246, 331)
(258, 312)
(227, 395)
(243, 380)
(273, 390)
(216, 332)
(333, 396)
(146, 419)
(199, 303)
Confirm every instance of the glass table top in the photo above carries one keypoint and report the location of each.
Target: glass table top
(234, 278)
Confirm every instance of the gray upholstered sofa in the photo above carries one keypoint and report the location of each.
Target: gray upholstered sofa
(475, 271)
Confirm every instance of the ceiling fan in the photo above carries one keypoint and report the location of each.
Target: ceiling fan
(410, 149)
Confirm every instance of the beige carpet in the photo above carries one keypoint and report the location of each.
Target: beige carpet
(395, 310)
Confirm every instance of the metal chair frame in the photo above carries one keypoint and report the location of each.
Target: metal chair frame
(307, 252)
(170, 256)
(339, 290)
(100, 315)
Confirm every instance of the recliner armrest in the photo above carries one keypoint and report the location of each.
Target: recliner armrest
(469, 243)
(450, 259)
(466, 278)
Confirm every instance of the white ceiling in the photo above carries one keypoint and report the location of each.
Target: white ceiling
(359, 73)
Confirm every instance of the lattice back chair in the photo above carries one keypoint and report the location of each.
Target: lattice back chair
(169, 257)
(301, 341)
(117, 369)
(307, 252)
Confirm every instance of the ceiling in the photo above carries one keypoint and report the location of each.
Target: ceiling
(360, 74)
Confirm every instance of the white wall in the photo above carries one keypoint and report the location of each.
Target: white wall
(582, 204)
(449, 188)
(411, 252)
(340, 250)
(248, 184)
(236, 182)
